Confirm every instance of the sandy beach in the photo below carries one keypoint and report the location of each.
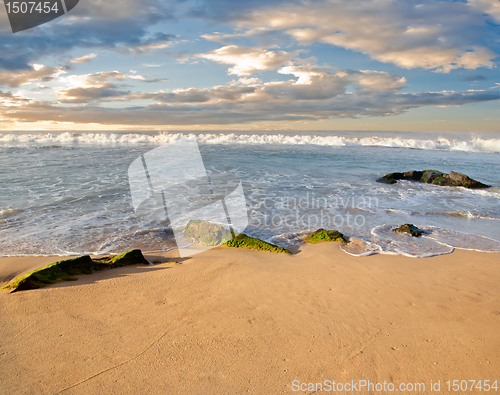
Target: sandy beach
(233, 321)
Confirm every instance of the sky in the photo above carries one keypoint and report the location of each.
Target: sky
(255, 65)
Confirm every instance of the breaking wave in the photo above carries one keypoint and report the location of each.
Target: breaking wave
(473, 145)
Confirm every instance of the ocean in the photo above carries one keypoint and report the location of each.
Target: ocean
(67, 193)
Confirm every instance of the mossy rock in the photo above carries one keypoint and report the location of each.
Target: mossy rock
(244, 241)
(207, 233)
(410, 229)
(67, 269)
(322, 235)
(132, 257)
(434, 177)
(390, 178)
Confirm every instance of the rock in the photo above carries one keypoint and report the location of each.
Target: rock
(251, 243)
(132, 257)
(207, 233)
(430, 176)
(67, 269)
(410, 229)
(322, 235)
(434, 177)
(458, 177)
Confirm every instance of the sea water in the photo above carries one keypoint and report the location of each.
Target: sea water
(67, 193)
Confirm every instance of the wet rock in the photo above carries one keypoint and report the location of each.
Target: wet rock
(322, 235)
(207, 233)
(435, 177)
(68, 269)
(244, 241)
(410, 229)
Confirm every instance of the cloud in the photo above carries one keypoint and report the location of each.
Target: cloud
(311, 93)
(365, 79)
(491, 8)
(149, 44)
(248, 60)
(120, 25)
(36, 72)
(194, 95)
(105, 75)
(474, 77)
(83, 59)
(106, 91)
(248, 81)
(220, 113)
(407, 34)
(8, 99)
(311, 84)
(88, 88)
(227, 10)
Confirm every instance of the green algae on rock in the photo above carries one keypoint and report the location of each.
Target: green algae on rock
(322, 235)
(410, 229)
(244, 241)
(207, 233)
(434, 177)
(67, 269)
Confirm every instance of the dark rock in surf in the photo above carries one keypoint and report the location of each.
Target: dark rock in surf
(410, 229)
(434, 177)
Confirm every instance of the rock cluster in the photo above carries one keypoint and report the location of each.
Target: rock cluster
(434, 177)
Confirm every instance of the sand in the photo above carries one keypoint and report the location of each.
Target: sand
(234, 321)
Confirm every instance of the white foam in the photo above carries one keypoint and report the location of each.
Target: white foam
(462, 240)
(474, 145)
(404, 244)
(358, 247)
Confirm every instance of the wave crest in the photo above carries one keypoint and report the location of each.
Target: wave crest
(474, 145)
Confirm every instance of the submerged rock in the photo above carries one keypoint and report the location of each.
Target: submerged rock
(410, 229)
(322, 235)
(434, 177)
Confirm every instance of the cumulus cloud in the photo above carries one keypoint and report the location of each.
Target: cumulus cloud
(248, 60)
(105, 75)
(83, 59)
(248, 81)
(311, 93)
(491, 8)
(227, 10)
(106, 91)
(231, 112)
(430, 34)
(195, 95)
(36, 72)
(407, 34)
(311, 84)
(120, 9)
(116, 25)
(96, 87)
(8, 99)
